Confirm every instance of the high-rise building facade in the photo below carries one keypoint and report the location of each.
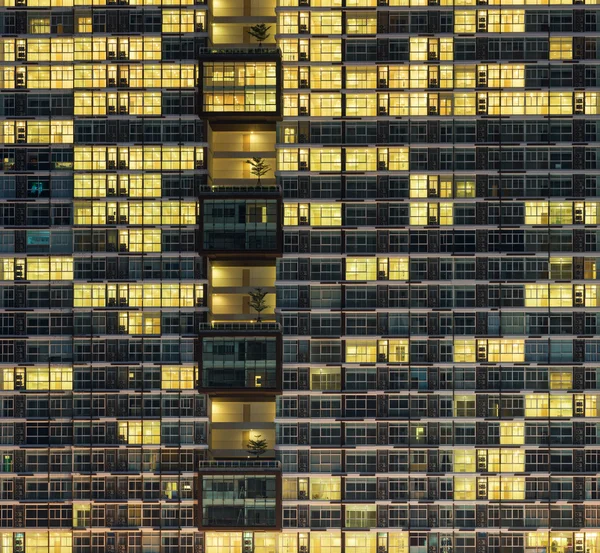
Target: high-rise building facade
(333, 290)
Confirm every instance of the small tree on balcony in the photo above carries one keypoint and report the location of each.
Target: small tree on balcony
(257, 302)
(259, 167)
(260, 32)
(257, 445)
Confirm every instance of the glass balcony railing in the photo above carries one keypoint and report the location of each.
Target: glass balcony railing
(241, 465)
(240, 327)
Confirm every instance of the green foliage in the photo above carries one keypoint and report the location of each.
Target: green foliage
(260, 32)
(257, 446)
(257, 301)
(259, 167)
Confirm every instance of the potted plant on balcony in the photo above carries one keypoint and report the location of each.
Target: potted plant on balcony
(260, 32)
(257, 302)
(259, 168)
(257, 445)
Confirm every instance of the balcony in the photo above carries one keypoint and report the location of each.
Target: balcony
(243, 465)
(241, 191)
(233, 226)
(240, 84)
(240, 357)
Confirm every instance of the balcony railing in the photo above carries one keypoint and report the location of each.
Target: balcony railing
(241, 189)
(240, 327)
(249, 51)
(242, 465)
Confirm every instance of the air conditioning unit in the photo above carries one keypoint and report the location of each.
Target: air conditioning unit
(383, 83)
(123, 110)
(122, 219)
(112, 302)
(111, 219)
(20, 2)
(303, 220)
(302, 139)
(482, 353)
(304, 28)
(111, 192)
(302, 110)
(112, 164)
(481, 106)
(20, 80)
(112, 110)
(579, 301)
(123, 55)
(199, 27)
(303, 83)
(21, 135)
(381, 275)
(303, 2)
(123, 82)
(303, 166)
(112, 82)
(123, 247)
(433, 83)
(482, 24)
(112, 55)
(432, 55)
(382, 2)
(579, 408)
(381, 358)
(382, 166)
(482, 78)
(123, 302)
(579, 216)
(433, 110)
(383, 110)
(303, 56)
(123, 164)
(579, 107)
(19, 272)
(21, 53)
(302, 495)
(122, 329)
(432, 193)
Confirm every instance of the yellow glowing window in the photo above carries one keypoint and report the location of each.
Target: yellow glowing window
(361, 351)
(506, 76)
(399, 103)
(361, 105)
(506, 460)
(290, 215)
(591, 295)
(326, 215)
(464, 351)
(325, 542)
(398, 77)
(506, 351)
(464, 460)
(465, 188)
(361, 77)
(512, 433)
(326, 489)
(508, 488)
(361, 23)
(506, 21)
(418, 214)
(561, 48)
(140, 432)
(397, 350)
(464, 488)
(561, 268)
(178, 378)
(325, 159)
(464, 21)
(326, 50)
(419, 76)
(7, 379)
(561, 406)
(536, 405)
(329, 78)
(361, 268)
(561, 380)
(49, 268)
(288, 23)
(552, 295)
(223, 542)
(326, 105)
(419, 186)
(326, 23)
(49, 378)
(361, 159)
(398, 268)
(178, 21)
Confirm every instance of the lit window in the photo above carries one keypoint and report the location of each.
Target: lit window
(464, 351)
(548, 295)
(326, 215)
(506, 460)
(361, 268)
(561, 48)
(501, 488)
(326, 50)
(464, 460)
(465, 488)
(464, 21)
(361, 351)
(512, 433)
(326, 159)
(506, 351)
(506, 21)
(358, 23)
(326, 489)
